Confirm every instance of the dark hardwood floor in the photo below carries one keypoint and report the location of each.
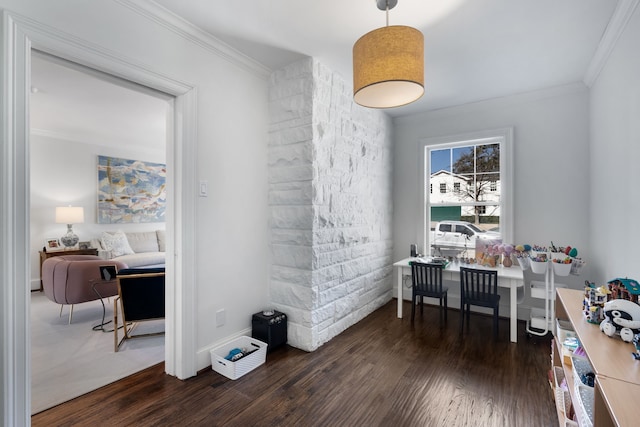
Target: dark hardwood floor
(380, 372)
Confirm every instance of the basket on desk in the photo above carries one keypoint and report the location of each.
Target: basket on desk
(539, 267)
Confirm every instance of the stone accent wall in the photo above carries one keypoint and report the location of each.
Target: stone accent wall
(330, 196)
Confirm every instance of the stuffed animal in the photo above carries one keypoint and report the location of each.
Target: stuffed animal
(621, 317)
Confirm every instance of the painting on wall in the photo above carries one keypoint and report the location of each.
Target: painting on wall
(130, 191)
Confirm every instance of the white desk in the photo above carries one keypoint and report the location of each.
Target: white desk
(508, 277)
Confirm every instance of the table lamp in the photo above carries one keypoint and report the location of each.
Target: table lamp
(69, 215)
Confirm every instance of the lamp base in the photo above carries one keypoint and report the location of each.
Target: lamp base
(69, 239)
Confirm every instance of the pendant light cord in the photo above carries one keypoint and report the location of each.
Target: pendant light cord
(387, 13)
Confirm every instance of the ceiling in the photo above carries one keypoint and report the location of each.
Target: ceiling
(74, 103)
(474, 50)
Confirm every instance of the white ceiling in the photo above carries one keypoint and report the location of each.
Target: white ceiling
(474, 50)
(77, 104)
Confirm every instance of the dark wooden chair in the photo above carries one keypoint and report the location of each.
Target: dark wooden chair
(480, 288)
(141, 297)
(427, 282)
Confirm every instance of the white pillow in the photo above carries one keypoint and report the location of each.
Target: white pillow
(117, 243)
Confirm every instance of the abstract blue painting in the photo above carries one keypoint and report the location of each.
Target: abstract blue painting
(130, 191)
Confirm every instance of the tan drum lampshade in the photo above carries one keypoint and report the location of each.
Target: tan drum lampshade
(388, 67)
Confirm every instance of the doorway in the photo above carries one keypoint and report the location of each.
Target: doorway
(180, 342)
(77, 114)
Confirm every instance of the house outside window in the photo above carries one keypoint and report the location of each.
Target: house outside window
(479, 169)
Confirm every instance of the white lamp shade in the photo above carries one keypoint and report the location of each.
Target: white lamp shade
(69, 215)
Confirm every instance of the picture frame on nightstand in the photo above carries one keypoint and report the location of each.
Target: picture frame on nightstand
(84, 245)
(52, 244)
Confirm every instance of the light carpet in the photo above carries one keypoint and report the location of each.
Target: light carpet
(68, 361)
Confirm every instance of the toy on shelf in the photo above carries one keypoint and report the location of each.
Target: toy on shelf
(636, 343)
(627, 289)
(593, 303)
(621, 317)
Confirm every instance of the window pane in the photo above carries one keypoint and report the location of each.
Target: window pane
(488, 187)
(463, 160)
(488, 158)
(440, 160)
(444, 213)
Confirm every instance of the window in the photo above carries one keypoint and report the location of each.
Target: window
(430, 188)
(478, 167)
(464, 230)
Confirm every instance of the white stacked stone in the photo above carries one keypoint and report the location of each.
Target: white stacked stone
(331, 204)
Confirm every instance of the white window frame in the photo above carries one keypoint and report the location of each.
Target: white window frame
(504, 137)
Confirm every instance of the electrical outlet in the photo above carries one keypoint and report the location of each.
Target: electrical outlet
(221, 317)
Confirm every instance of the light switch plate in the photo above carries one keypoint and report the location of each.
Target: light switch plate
(204, 189)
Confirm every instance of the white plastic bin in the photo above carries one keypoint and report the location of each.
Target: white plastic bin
(564, 330)
(234, 370)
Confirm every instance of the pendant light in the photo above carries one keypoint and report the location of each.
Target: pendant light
(388, 65)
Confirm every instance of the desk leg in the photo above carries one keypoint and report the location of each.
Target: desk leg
(399, 292)
(513, 307)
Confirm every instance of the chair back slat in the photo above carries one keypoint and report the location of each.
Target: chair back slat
(427, 277)
(478, 283)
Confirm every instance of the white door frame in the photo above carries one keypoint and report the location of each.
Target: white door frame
(19, 36)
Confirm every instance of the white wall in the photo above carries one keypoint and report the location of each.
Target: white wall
(551, 162)
(614, 170)
(231, 150)
(65, 172)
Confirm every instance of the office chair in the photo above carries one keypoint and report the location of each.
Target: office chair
(479, 288)
(427, 282)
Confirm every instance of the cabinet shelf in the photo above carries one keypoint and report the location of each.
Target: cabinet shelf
(617, 373)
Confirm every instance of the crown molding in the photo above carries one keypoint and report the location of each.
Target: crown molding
(185, 29)
(618, 22)
(507, 101)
